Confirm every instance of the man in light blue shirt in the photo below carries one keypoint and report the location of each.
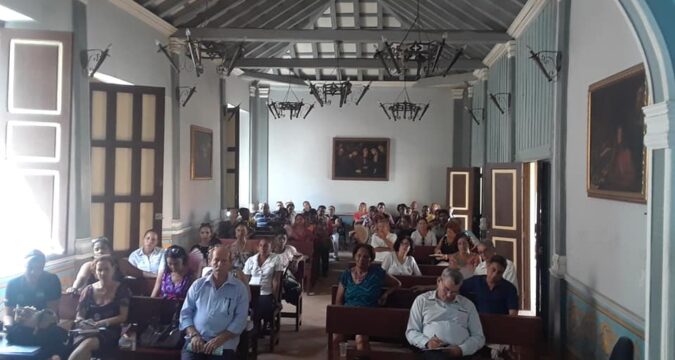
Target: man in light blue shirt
(443, 323)
(215, 311)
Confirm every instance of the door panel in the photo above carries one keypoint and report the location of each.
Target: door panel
(35, 89)
(504, 185)
(461, 195)
(127, 150)
(231, 157)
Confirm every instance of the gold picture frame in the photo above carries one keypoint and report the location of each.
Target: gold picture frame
(616, 159)
(201, 153)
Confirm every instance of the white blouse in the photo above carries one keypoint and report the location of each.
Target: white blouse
(428, 240)
(376, 242)
(393, 266)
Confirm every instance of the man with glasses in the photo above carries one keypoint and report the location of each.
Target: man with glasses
(444, 324)
(486, 250)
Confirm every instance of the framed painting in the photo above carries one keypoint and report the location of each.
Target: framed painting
(201, 153)
(361, 159)
(616, 156)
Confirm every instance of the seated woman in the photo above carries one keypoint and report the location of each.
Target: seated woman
(300, 232)
(265, 269)
(103, 305)
(86, 276)
(447, 244)
(362, 286)
(174, 277)
(199, 252)
(401, 261)
(288, 254)
(149, 257)
(423, 235)
(463, 260)
(382, 240)
(361, 214)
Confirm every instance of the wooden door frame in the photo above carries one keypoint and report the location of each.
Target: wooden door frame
(522, 250)
(236, 149)
(473, 200)
(110, 144)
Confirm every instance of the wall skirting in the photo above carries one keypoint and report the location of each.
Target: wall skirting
(594, 323)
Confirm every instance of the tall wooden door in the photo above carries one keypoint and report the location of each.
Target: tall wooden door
(35, 77)
(231, 157)
(463, 195)
(127, 147)
(504, 208)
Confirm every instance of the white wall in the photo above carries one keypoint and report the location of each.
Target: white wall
(606, 244)
(52, 15)
(200, 199)
(300, 151)
(133, 55)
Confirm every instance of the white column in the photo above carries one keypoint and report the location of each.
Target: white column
(660, 302)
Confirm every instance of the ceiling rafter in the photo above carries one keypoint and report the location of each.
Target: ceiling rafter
(167, 7)
(194, 12)
(464, 13)
(346, 35)
(357, 24)
(349, 63)
(488, 13)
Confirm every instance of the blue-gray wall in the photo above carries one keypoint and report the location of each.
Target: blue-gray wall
(499, 140)
(478, 130)
(535, 97)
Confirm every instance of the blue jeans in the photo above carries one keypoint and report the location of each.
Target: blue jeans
(227, 355)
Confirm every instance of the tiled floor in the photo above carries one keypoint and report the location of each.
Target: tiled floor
(311, 341)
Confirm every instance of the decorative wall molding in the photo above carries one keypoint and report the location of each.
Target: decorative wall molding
(607, 306)
(526, 15)
(497, 52)
(146, 16)
(511, 48)
(660, 122)
(457, 94)
(481, 74)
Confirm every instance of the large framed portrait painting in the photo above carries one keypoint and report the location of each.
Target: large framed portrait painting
(616, 153)
(361, 159)
(201, 153)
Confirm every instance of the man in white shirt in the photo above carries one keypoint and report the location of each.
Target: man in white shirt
(150, 257)
(443, 323)
(265, 269)
(486, 250)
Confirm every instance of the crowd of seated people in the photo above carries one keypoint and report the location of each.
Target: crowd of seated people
(444, 320)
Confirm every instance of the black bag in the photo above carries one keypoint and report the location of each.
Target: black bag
(292, 288)
(161, 336)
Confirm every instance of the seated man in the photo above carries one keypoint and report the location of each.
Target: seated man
(41, 290)
(36, 288)
(491, 293)
(265, 269)
(443, 323)
(486, 250)
(215, 311)
(263, 216)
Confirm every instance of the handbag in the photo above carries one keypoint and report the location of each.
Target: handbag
(166, 336)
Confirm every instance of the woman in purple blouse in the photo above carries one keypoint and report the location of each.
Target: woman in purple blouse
(175, 278)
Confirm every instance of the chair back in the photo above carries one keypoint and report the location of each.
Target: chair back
(623, 349)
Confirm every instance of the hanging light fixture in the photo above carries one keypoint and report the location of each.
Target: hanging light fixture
(405, 109)
(323, 92)
(294, 108)
(425, 54)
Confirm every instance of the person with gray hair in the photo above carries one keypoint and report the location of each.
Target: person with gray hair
(486, 250)
(443, 323)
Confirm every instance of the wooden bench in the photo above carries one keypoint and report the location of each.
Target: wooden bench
(146, 310)
(400, 298)
(522, 331)
(432, 270)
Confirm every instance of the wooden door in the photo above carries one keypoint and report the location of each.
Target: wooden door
(463, 195)
(231, 163)
(35, 77)
(504, 208)
(127, 152)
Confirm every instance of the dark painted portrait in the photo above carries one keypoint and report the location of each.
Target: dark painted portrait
(360, 159)
(616, 155)
(201, 153)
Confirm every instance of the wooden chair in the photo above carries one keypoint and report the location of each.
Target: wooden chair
(297, 314)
